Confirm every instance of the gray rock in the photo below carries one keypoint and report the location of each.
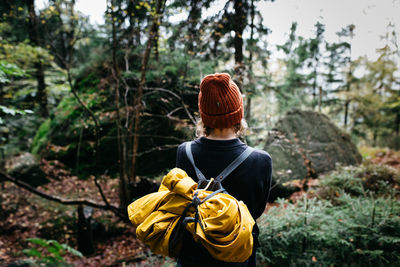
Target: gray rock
(26, 167)
(305, 144)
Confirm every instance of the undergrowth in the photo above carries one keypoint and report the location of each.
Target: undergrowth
(352, 220)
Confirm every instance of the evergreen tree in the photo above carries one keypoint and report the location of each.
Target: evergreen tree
(315, 45)
(291, 92)
(23, 25)
(348, 33)
(335, 76)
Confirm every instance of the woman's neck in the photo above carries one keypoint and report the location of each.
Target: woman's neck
(222, 134)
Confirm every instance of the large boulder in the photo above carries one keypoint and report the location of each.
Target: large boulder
(305, 144)
(26, 167)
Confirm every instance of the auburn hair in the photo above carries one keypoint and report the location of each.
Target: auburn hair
(240, 129)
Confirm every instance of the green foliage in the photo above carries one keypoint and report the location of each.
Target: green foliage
(358, 231)
(49, 252)
(364, 180)
(13, 111)
(40, 139)
(377, 112)
(24, 54)
(291, 90)
(8, 70)
(354, 221)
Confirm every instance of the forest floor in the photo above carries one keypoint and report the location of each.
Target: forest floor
(25, 215)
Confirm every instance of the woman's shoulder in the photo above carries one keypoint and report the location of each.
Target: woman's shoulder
(261, 155)
(182, 146)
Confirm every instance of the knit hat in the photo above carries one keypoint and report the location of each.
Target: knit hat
(220, 101)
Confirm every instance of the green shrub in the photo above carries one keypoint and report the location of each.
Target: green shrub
(49, 252)
(363, 180)
(358, 231)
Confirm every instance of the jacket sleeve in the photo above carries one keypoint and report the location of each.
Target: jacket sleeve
(267, 181)
(181, 157)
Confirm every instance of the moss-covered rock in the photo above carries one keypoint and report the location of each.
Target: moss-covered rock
(68, 135)
(305, 143)
(26, 167)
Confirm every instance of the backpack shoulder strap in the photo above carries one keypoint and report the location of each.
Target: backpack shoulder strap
(231, 167)
(189, 154)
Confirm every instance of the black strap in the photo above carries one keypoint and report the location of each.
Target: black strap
(189, 154)
(231, 167)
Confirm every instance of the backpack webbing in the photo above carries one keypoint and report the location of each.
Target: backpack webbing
(230, 168)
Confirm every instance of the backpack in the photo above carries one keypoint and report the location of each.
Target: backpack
(222, 224)
(214, 184)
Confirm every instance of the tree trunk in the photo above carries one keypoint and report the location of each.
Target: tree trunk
(85, 233)
(348, 87)
(239, 24)
(193, 19)
(347, 102)
(314, 92)
(156, 37)
(131, 29)
(320, 99)
(346, 112)
(397, 128)
(250, 75)
(375, 136)
(124, 195)
(41, 95)
(138, 99)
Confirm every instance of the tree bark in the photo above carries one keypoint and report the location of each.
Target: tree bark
(348, 85)
(193, 19)
(346, 112)
(375, 136)
(124, 195)
(239, 24)
(314, 92)
(138, 99)
(249, 94)
(320, 99)
(41, 94)
(85, 233)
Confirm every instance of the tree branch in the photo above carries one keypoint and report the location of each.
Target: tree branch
(61, 200)
(96, 132)
(160, 4)
(157, 148)
(177, 96)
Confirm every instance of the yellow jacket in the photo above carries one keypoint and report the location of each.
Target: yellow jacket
(225, 224)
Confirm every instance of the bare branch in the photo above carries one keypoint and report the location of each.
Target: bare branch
(173, 111)
(147, 135)
(61, 200)
(157, 148)
(175, 95)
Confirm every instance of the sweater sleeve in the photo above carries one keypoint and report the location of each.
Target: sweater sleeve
(267, 181)
(178, 156)
(181, 159)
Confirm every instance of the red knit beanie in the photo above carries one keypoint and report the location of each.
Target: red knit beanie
(220, 101)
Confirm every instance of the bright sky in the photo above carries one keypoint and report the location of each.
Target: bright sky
(371, 18)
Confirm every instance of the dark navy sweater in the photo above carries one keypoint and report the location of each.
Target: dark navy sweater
(249, 182)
